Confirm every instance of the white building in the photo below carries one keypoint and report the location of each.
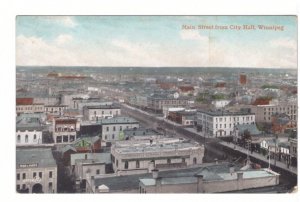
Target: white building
(220, 103)
(221, 123)
(28, 109)
(140, 156)
(93, 164)
(93, 113)
(36, 171)
(55, 109)
(111, 128)
(29, 131)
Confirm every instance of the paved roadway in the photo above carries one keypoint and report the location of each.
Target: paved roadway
(177, 130)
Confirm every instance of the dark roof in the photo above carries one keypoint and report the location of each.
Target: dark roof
(130, 182)
(24, 101)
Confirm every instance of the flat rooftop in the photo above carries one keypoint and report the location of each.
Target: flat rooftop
(157, 147)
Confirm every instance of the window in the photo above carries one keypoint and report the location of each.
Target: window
(97, 171)
(40, 174)
(183, 160)
(18, 176)
(50, 186)
(117, 163)
(126, 165)
(120, 128)
(114, 128)
(18, 187)
(24, 176)
(169, 161)
(19, 138)
(34, 174)
(102, 112)
(137, 164)
(105, 137)
(34, 136)
(23, 186)
(50, 174)
(95, 112)
(224, 125)
(26, 138)
(110, 112)
(194, 160)
(113, 136)
(107, 128)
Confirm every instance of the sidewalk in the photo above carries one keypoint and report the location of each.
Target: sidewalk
(259, 156)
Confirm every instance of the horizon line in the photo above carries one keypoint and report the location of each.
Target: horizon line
(59, 66)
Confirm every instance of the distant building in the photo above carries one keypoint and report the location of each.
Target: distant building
(158, 102)
(26, 105)
(204, 178)
(263, 113)
(141, 134)
(36, 171)
(93, 113)
(243, 79)
(109, 129)
(220, 123)
(220, 103)
(29, 131)
(64, 130)
(135, 157)
(92, 164)
(210, 179)
(55, 109)
(293, 151)
(282, 122)
(185, 118)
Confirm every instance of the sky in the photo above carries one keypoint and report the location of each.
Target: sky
(156, 41)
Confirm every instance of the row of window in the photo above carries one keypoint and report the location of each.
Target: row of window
(26, 138)
(33, 175)
(50, 186)
(110, 112)
(29, 108)
(114, 128)
(230, 125)
(281, 109)
(234, 118)
(137, 163)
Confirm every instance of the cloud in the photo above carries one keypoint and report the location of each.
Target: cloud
(62, 51)
(66, 21)
(63, 39)
(284, 43)
(193, 35)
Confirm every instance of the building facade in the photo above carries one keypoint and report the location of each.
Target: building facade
(93, 113)
(64, 130)
(136, 157)
(263, 113)
(36, 171)
(221, 123)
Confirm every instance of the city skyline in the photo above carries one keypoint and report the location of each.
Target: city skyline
(157, 41)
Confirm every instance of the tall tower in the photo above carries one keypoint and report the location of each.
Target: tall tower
(243, 79)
